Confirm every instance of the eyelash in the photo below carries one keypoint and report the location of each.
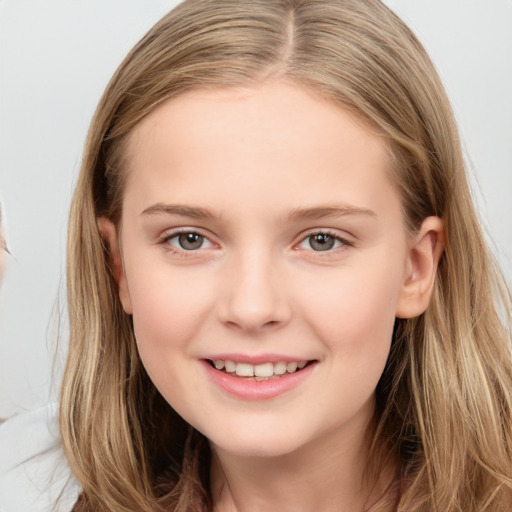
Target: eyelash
(166, 239)
(344, 242)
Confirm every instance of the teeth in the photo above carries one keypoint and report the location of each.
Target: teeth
(259, 371)
(264, 370)
(244, 370)
(279, 368)
(230, 366)
(291, 367)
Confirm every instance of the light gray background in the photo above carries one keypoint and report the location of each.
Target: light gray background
(56, 56)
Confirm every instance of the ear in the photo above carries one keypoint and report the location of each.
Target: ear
(425, 250)
(108, 232)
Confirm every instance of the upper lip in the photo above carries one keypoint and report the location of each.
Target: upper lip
(256, 359)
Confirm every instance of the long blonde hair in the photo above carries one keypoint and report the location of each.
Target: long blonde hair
(444, 402)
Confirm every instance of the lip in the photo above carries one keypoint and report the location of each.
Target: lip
(252, 390)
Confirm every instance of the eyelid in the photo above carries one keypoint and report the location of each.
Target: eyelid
(346, 240)
(169, 234)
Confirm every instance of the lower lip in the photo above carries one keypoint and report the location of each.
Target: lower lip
(246, 389)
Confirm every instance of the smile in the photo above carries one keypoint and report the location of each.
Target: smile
(258, 372)
(262, 381)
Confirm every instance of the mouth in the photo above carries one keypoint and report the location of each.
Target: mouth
(259, 372)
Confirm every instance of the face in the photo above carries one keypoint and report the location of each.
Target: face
(263, 255)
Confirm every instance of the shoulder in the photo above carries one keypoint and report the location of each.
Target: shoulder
(34, 474)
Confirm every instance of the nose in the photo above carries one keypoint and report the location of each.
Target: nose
(254, 294)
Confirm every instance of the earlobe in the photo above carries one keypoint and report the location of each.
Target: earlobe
(109, 235)
(424, 254)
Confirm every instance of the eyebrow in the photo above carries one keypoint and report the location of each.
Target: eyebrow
(328, 211)
(296, 214)
(178, 209)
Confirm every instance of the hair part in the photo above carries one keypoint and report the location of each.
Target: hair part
(444, 404)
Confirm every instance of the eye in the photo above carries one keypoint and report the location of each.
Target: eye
(322, 242)
(188, 241)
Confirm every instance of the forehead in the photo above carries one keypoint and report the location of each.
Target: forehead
(275, 140)
(293, 111)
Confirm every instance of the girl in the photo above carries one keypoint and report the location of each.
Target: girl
(279, 294)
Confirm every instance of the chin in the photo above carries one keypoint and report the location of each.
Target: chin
(257, 445)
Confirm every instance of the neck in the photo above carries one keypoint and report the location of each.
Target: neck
(323, 476)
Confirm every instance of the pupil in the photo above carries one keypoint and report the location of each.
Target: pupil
(190, 241)
(321, 242)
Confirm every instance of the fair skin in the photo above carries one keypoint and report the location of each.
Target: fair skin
(260, 226)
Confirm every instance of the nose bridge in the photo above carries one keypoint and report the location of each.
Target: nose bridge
(255, 297)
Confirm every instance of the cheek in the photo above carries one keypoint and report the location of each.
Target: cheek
(354, 313)
(169, 308)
